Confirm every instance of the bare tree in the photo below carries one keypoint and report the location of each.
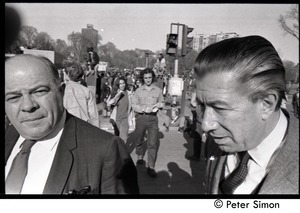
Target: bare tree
(290, 22)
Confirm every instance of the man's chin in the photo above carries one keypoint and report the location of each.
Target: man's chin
(36, 134)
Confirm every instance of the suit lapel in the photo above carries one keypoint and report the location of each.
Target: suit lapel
(280, 177)
(63, 160)
(11, 137)
(217, 174)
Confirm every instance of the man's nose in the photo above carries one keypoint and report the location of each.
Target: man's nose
(28, 103)
(209, 122)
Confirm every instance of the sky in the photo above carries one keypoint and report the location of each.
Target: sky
(145, 26)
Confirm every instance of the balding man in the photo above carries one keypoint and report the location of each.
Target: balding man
(61, 153)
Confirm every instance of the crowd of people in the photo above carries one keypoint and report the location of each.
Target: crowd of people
(54, 144)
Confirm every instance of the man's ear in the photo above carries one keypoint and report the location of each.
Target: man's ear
(269, 104)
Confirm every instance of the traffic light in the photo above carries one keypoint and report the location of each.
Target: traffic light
(187, 42)
(172, 40)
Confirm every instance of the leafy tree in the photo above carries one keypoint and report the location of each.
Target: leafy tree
(291, 70)
(43, 41)
(60, 46)
(290, 22)
(107, 53)
(76, 47)
(79, 44)
(25, 39)
(130, 57)
(28, 33)
(108, 49)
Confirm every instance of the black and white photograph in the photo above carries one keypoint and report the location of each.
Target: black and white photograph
(132, 100)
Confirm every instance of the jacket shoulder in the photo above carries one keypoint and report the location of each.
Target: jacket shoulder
(89, 130)
(283, 177)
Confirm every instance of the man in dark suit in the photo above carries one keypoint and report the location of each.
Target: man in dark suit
(69, 156)
(240, 84)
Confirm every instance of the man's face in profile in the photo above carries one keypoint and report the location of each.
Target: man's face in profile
(33, 100)
(230, 117)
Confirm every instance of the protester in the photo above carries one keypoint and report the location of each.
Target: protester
(68, 155)
(160, 70)
(240, 85)
(91, 72)
(105, 93)
(99, 85)
(120, 101)
(78, 99)
(147, 100)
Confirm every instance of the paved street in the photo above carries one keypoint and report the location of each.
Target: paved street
(176, 174)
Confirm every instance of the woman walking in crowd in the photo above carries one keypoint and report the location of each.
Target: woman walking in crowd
(120, 101)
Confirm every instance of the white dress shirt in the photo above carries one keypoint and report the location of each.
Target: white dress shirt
(40, 160)
(261, 158)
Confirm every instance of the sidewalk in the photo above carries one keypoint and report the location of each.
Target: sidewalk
(175, 173)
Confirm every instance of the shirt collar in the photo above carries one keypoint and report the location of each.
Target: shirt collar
(74, 82)
(264, 151)
(144, 87)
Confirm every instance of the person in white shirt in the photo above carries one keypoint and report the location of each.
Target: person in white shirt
(240, 84)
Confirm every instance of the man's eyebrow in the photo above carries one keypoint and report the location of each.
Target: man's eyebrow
(29, 89)
(219, 103)
(12, 93)
(215, 102)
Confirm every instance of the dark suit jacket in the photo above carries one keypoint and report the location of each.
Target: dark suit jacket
(86, 156)
(283, 177)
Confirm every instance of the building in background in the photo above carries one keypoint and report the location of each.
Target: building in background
(201, 41)
(89, 39)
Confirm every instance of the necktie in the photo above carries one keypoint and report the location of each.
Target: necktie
(237, 176)
(18, 170)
